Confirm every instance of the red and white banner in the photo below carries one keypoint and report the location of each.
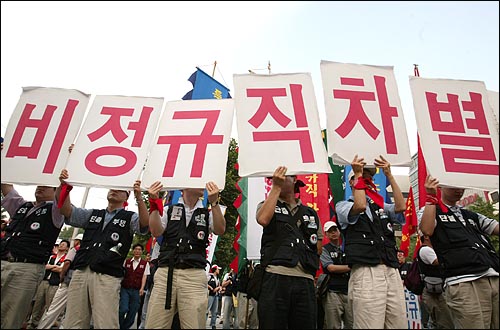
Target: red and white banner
(364, 114)
(457, 131)
(42, 127)
(278, 124)
(191, 145)
(112, 147)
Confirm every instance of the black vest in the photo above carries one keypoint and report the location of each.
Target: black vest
(55, 277)
(291, 244)
(185, 245)
(460, 249)
(338, 281)
(99, 249)
(371, 243)
(31, 237)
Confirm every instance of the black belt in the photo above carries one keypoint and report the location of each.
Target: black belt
(182, 265)
(25, 260)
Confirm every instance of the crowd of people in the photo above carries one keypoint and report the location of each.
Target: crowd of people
(90, 282)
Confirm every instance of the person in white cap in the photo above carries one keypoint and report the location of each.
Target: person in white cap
(333, 260)
(375, 288)
(58, 304)
(290, 248)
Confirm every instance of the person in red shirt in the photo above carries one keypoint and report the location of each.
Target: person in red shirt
(132, 287)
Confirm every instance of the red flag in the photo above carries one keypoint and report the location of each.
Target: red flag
(422, 175)
(410, 226)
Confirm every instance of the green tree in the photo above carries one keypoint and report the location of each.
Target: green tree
(483, 207)
(225, 253)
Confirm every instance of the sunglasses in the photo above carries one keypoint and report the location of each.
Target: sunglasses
(333, 229)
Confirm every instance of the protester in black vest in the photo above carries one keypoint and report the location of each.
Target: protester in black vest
(25, 249)
(132, 289)
(404, 266)
(470, 263)
(47, 288)
(94, 291)
(180, 282)
(338, 313)
(375, 288)
(289, 252)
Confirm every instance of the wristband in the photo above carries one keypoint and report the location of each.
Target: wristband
(215, 203)
(155, 204)
(431, 199)
(65, 189)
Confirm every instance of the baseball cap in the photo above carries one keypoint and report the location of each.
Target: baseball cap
(328, 225)
(214, 267)
(79, 236)
(58, 241)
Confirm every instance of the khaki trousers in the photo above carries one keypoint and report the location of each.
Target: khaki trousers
(247, 312)
(377, 297)
(474, 304)
(92, 295)
(438, 309)
(19, 282)
(55, 309)
(43, 298)
(337, 311)
(189, 298)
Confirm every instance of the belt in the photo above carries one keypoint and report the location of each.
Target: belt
(182, 265)
(25, 260)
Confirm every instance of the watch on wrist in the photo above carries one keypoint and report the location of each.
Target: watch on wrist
(214, 203)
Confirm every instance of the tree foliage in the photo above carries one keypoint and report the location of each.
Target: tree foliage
(225, 253)
(483, 207)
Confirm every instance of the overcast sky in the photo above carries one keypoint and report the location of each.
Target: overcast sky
(151, 48)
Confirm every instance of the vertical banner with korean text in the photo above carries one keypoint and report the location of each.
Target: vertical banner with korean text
(112, 147)
(315, 195)
(278, 124)
(191, 145)
(42, 127)
(457, 131)
(364, 114)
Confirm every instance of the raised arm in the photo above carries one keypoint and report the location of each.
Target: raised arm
(66, 208)
(266, 212)
(399, 200)
(141, 205)
(213, 199)
(428, 222)
(357, 164)
(155, 226)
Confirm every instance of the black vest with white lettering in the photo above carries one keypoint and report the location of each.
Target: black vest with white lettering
(293, 244)
(100, 248)
(461, 248)
(338, 281)
(186, 245)
(33, 237)
(371, 242)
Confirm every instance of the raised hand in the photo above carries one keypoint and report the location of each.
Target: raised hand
(279, 176)
(154, 189)
(383, 164)
(431, 184)
(213, 192)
